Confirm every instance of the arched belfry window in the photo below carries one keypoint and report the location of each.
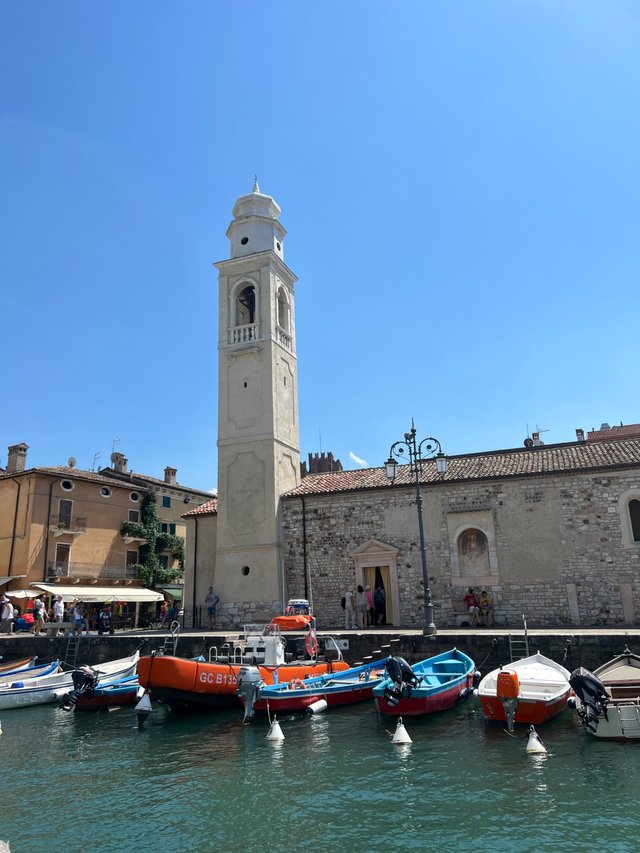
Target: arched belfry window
(244, 321)
(634, 518)
(283, 309)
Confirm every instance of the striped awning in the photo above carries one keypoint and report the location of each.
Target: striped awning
(90, 594)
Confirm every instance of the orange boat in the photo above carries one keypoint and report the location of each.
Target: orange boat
(189, 686)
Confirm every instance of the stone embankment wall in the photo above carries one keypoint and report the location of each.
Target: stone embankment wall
(487, 649)
(558, 548)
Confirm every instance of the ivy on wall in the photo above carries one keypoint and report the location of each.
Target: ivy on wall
(148, 528)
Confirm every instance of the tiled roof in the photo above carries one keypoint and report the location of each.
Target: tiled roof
(501, 464)
(133, 476)
(208, 508)
(70, 473)
(614, 433)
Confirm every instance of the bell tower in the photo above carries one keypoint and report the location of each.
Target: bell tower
(258, 432)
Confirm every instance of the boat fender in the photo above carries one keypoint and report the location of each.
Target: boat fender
(401, 735)
(534, 744)
(143, 709)
(477, 678)
(275, 732)
(317, 707)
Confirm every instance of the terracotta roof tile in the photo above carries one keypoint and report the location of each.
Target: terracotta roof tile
(208, 508)
(547, 459)
(615, 433)
(145, 479)
(72, 474)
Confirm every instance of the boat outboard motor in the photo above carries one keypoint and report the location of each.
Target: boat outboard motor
(84, 680)
(249, 684)
(593, 698)
(402, 678)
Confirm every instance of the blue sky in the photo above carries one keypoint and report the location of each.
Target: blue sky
(459, 181)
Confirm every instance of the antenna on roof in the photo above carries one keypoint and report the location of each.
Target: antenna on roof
(113, 444)
(96, 456)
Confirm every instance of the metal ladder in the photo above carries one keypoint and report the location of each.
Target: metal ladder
(171, 640)
(71, 652)
(519, 645)
(629, 716)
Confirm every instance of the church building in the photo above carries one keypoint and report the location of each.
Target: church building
(551, 532)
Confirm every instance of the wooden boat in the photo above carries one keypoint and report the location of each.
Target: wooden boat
(17, 665)
(342, 688)
(30, 672)
(607, 700)
(431, 685)
(189, 686)
(49, 688)
(531, 691)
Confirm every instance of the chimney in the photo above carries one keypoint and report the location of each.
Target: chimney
(120, 463)
(16, 458)
(579, 435)
(170, 475)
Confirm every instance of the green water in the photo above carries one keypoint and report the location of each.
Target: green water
(336, 783)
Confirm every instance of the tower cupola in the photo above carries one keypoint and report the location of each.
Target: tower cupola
(255, 226)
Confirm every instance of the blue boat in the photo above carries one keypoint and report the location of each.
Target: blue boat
(314, 693)
(431, 685)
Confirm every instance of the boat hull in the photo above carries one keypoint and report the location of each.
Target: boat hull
(188, 686)
(422, 702)
(620, 678)
(529, 712)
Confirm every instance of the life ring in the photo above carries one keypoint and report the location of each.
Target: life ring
(311, 645)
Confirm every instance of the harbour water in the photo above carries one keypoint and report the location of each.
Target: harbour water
(336, 783)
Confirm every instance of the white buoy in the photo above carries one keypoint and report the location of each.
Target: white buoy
(275, 732)
(143, 709)
(0, 728)
(534, 744)
(401, 735)
(317, 707)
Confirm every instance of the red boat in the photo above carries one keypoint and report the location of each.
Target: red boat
(531, 691)
(206, 686)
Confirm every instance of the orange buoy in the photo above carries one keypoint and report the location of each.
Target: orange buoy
(508, 686)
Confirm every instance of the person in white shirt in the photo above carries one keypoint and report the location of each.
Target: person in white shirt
(6, 615)
(349, 610)
(58, 609)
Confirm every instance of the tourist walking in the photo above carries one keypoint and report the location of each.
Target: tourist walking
(349, 610)
(380, 605)
(6, 615)
(211, 602)
(371, 610)
(78, 618)
(39, 615)
(362, 607)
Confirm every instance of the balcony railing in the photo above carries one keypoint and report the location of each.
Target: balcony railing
(244, 334)
(284, 338)
(56, 570)
(68, 523)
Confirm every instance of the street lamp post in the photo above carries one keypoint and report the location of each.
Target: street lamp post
(419, 452)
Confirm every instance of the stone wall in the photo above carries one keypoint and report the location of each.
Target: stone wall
(556, 553)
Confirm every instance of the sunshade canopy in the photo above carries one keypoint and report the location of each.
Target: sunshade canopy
(98, 593)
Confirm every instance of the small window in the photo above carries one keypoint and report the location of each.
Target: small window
(67, 485)
(163, 561)
(244, 241)
(634, 517)
(132, 558)
(245, 570)
(105, 492)
(134, 516)
(166, 502)
(172, 529)
(134, 497)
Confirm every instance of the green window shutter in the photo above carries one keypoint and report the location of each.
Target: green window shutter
(172, 529)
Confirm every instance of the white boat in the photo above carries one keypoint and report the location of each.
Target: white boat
(49, 688)
(530, 691)
(607, 700)
(27, 673)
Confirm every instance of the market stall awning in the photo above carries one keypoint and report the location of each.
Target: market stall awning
(98, 593)
(8, 578)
